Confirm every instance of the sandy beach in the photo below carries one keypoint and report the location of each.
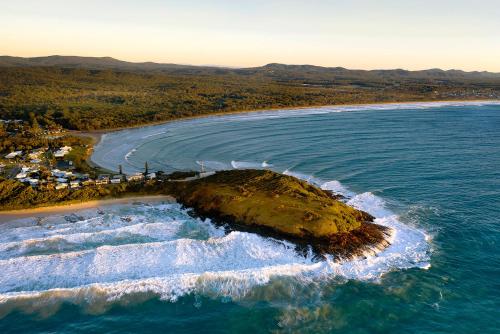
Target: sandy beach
(10, 215)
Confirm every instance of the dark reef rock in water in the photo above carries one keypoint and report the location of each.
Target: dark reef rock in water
(73, 218)
(283, 207)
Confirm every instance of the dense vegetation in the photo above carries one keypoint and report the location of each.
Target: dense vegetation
(25, 136)
(97, 93)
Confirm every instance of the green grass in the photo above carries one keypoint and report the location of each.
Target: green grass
(272, 200)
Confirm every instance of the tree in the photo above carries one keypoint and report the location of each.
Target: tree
(146, 168)
(35, 127)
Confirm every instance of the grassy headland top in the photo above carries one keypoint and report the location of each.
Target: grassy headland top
(100, 93)
(282, 206)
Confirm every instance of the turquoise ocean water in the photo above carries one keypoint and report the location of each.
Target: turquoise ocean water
(429, 171)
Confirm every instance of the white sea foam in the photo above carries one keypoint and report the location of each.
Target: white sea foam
(129, 154)
(154, 134)
(173, 262)
(297, 112)
(249, 164)
(337, 188)
(67, 242)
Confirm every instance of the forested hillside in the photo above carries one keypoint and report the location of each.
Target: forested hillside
(98, 93)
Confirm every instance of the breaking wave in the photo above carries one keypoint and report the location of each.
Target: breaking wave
(297, 112)
(219, 165)
(106, 256)
(248, 164)
(129, 154)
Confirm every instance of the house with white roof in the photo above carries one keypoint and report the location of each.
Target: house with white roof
(61, 186)
(14, 154)
(135, 177)
(61, 152)
(33, 182)
(21, 175)
(74, 184)
(60, 173)
(116, 180)
(102, 179)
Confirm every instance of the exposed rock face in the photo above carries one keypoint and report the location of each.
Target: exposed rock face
(284, 207)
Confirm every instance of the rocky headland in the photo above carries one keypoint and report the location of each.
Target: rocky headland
(283, 207)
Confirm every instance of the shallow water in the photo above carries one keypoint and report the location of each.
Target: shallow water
(431, 172)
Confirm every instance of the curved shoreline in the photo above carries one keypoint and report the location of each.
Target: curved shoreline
(98, 135)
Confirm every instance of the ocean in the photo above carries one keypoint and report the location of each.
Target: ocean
(431, 171)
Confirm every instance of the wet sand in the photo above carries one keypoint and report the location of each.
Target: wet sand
(10, 215)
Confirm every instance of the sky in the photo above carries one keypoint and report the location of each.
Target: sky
(357, 34)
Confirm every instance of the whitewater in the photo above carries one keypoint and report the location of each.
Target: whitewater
(160, 250)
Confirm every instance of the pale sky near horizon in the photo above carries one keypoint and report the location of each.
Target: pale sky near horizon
(363, 34)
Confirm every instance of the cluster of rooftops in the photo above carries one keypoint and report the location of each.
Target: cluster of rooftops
(68, 179)
(34, 156)
(62, 175)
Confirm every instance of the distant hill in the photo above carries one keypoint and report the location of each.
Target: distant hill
(316, 72)
(278, 71)
(83, 62)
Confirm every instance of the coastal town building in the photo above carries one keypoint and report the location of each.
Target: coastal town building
(61, 173)
(102, 179)
(117, 179)
(32, 181)
(62, 151)
(135, 177)
(88, 182)
(13, 155)
(21, 175)
(61, 186)
(74, 184)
